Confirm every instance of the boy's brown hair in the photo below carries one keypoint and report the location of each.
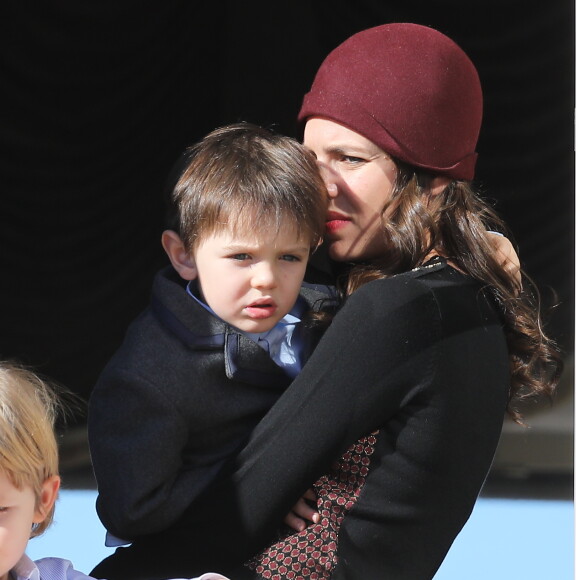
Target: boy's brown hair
(248, 177)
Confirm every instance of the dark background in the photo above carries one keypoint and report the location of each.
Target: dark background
(98, 98)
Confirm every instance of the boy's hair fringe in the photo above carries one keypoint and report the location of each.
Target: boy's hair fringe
(247, 178)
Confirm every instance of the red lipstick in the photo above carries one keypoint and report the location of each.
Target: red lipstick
(335, 221)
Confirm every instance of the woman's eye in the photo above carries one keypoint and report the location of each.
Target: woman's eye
(352, 160)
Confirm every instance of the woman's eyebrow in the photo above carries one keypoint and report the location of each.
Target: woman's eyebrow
(345, 149)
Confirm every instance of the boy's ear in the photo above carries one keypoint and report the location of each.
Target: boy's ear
(48, 495)
(180, 258)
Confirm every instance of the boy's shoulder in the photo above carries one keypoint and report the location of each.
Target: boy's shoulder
(319, 296)
(173, 328)
(172, 310)
(175, 332)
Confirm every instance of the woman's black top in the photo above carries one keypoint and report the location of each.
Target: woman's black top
(421, 358)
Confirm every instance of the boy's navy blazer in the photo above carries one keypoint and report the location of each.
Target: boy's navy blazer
(198, 331)
(179, 397)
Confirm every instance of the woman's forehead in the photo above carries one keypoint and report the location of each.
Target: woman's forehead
(325, 133)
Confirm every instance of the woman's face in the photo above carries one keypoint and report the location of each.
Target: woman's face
(359, 177)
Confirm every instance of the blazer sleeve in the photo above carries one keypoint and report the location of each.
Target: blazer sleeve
(131, 421)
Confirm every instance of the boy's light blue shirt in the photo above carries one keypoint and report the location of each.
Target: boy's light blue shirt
(280, 342)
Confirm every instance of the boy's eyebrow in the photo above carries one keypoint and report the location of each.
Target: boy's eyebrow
(252, 246)
(243, 246)
(297, 248)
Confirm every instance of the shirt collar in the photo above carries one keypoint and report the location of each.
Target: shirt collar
(292, 318)
(25, 569)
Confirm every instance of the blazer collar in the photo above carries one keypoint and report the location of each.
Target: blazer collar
(197, 329)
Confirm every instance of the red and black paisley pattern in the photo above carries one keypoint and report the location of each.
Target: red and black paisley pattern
(312, 553)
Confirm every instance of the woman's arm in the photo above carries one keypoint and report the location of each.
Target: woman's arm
(378, 350)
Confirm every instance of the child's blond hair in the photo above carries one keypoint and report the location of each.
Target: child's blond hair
(28, 447)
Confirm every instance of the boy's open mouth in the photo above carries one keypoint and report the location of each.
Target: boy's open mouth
(261, 309)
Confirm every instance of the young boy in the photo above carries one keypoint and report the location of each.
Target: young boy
(29, 480)
(222, 337)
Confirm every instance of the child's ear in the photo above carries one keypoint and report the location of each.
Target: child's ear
(48, 495)
(180, 258)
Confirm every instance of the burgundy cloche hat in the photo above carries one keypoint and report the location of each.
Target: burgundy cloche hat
(407, 88)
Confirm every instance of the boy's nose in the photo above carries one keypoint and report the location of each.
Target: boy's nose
(263, 276)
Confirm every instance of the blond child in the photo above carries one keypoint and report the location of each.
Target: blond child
(29, 480)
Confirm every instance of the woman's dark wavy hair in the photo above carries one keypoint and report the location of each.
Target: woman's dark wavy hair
(457, 221)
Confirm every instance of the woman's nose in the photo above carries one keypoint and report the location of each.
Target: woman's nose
(332, 189)
(329, 178)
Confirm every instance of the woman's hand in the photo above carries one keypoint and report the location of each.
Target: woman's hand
(303, 513)
(506, 255)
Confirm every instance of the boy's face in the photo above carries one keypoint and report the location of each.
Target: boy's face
(251, 280)
(18, 511)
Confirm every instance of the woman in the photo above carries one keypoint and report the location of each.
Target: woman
(433, 344)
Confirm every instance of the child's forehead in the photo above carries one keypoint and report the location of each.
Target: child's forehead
(260, 234)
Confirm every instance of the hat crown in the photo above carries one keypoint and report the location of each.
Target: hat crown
(409, 89)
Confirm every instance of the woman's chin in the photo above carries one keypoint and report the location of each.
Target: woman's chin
(341, 251)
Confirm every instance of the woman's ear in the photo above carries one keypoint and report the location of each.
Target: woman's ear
(439, 183)
(437, 186)
(180, 258)
(48, 495)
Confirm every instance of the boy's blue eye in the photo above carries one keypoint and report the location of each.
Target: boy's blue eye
(290, 258)
(240, 257)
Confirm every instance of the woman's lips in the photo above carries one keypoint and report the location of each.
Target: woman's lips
(335, 221)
